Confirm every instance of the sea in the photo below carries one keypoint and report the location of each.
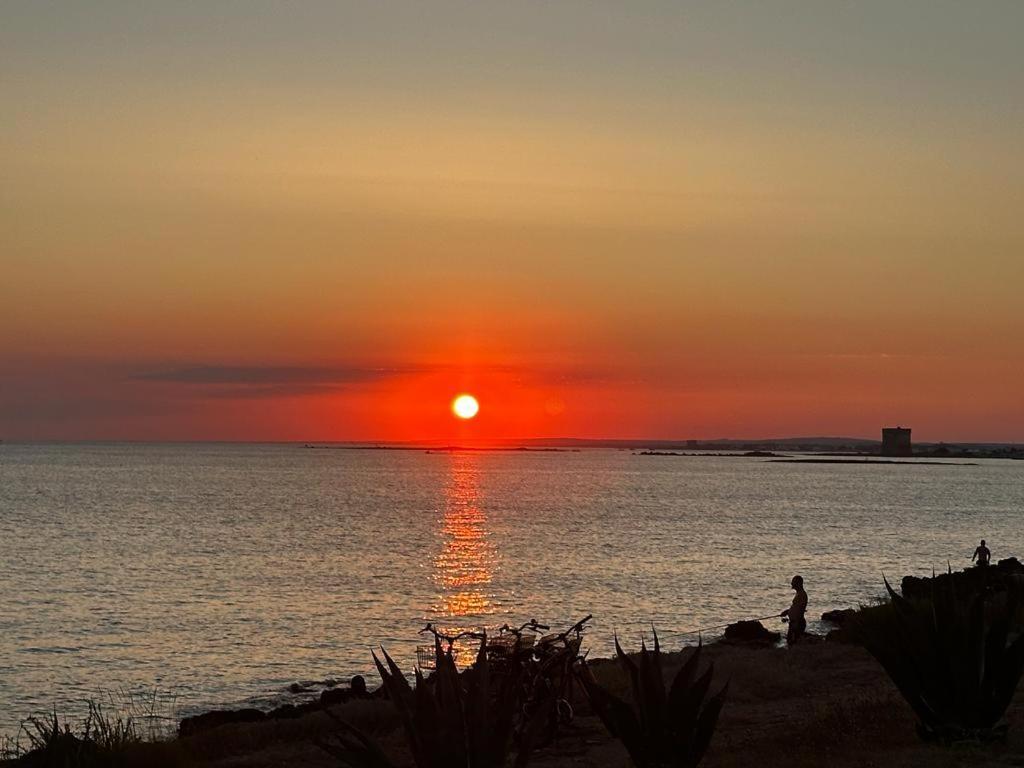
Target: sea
(190, 577)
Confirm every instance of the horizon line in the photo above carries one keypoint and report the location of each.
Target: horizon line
(505, 442)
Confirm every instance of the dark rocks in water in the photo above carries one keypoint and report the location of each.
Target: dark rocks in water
(992, 578)
(328, 698)
(752, 632)
(355, 690)
(838, 617)
(217, 718)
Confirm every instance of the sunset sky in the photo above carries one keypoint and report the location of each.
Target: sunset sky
(324, 220)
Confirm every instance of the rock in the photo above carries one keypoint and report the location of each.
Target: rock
(358, 686)
(838, 617)
(809, 638)
(994, 578)
(292, 711)
(839, 636)
(334, 696)
(355, 690)
(750, 632)
(329, 697)
(217, 718)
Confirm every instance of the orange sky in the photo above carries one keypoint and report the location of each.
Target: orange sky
(684, 222)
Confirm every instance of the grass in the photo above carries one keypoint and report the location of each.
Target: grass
(97, 741)
(128, 728)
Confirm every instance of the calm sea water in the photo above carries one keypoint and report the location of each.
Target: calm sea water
(220, 574)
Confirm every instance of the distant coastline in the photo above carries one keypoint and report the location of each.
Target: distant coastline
(841, 449)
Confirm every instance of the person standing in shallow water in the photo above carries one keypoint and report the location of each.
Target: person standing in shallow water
(795, 612)
(982, 554)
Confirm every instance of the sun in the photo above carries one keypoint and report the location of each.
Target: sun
(465, 406)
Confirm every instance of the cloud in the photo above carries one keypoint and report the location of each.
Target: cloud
(269, 381)
(273, 381)
(272, 375)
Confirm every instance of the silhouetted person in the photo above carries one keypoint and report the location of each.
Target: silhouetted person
(982, 554)
(795, 612)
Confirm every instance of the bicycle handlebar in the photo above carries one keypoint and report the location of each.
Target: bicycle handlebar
(575, 629)
(533, 625)
(578, 627)
(451, 639)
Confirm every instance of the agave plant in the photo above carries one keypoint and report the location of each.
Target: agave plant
(352, 747)
(660, 728)
(450, 720)
(956, 659)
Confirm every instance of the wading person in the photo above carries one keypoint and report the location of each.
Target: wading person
(982, 554)
(795, 613)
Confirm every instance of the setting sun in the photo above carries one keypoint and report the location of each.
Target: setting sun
(465, 406)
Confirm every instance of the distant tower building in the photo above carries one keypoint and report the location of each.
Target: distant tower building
(896, 442)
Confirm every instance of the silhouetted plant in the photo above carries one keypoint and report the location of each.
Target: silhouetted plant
(96, 743)
(951, 657)
(449, 719)
(352, 747)
(661, 728)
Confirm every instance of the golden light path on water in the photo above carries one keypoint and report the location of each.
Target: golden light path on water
(466, 564)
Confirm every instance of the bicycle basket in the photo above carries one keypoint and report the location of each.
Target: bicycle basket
(425, 658)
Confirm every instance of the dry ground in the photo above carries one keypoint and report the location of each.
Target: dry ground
(814, 705)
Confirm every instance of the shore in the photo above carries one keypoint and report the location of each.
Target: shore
(818, 704)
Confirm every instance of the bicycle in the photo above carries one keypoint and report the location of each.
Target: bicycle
(549, 683)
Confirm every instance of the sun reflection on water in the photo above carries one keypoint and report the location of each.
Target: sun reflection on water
(465, 567)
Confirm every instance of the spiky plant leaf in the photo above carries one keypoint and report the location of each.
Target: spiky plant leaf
(353, 748)
(652, 690)
(659, 728)
(615, 714)
(706, 723)
(631, 669)
(401, 695)
(682, 682)
(451, 719)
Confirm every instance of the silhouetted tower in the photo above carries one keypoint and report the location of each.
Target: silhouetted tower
(896, 442)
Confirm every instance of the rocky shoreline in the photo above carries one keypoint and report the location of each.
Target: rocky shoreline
(823, 703)
(750, 634)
